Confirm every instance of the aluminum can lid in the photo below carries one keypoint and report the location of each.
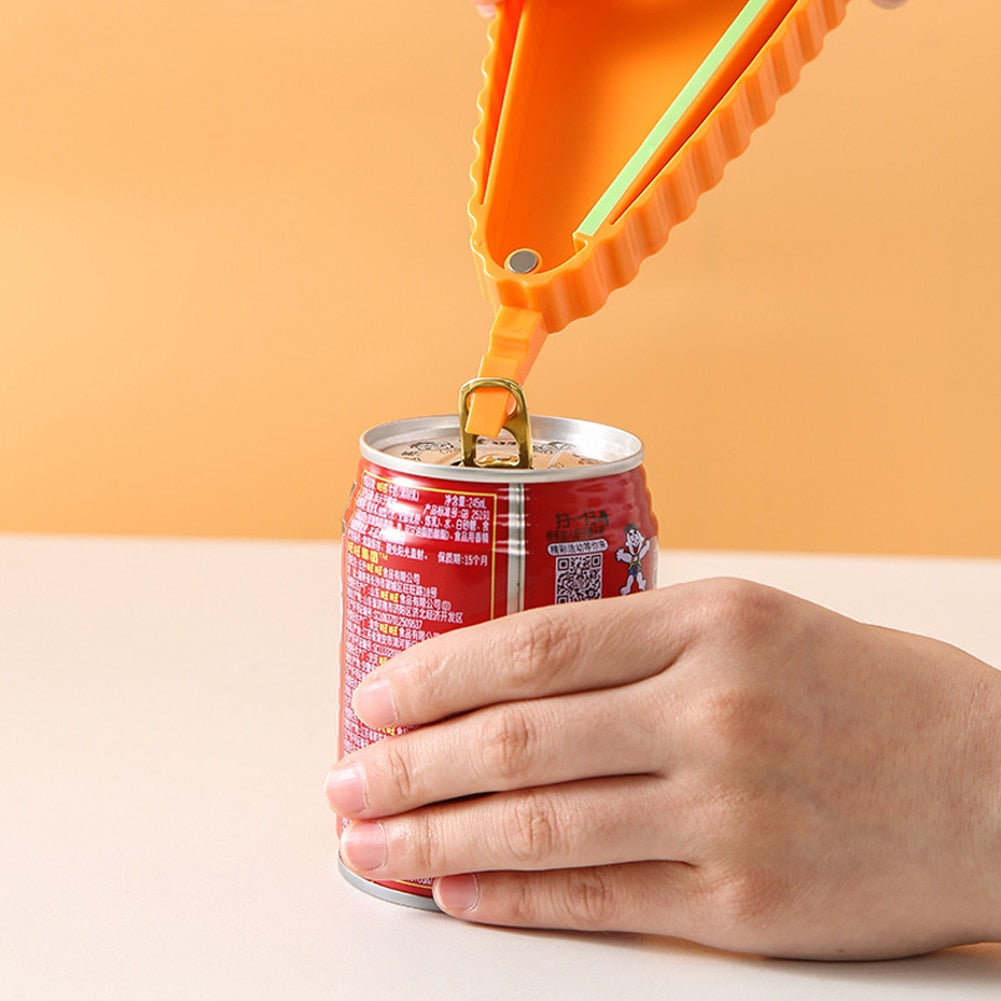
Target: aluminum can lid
(562, 449)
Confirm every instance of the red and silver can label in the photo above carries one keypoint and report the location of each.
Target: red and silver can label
(430, 545)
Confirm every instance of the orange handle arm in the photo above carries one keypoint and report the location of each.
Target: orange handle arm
(516, 337)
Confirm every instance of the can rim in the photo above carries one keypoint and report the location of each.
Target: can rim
(386, 893)
(614, 450)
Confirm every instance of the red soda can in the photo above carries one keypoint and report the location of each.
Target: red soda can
(442, 531)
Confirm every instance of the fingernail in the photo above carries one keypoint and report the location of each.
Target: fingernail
(373, 702)
(345, 788)
(486, 9)
(363, 846)
(456, 894)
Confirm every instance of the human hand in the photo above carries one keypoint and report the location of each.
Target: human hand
(486, 9)
(717, 761)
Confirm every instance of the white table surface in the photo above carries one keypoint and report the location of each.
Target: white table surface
(166, 721)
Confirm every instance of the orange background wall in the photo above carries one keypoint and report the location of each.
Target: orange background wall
(233, 235)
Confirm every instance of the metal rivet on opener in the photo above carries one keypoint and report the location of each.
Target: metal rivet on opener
(522, 262)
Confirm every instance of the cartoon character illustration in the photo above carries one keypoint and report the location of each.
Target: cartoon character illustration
(632, 552)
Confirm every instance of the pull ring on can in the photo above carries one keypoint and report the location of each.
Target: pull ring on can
(516, 423)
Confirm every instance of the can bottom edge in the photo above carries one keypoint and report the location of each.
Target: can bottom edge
(385, 893)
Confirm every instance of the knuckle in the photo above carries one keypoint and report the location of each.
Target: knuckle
(428, 677)
(747, 899)
(733, 719)
(519, 902)
(399, 771)
(530, 832)
(589, 901)
(508, 747)
(741, 609)
(428, 686)
(537, 641)
(421, 847)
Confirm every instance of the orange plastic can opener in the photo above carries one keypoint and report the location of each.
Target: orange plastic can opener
(601, 123)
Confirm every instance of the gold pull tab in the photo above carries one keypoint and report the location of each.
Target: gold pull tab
(516, 423)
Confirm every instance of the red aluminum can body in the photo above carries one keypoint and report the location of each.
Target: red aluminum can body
(429, 546)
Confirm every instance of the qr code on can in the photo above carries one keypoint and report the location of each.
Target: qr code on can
(578, 577)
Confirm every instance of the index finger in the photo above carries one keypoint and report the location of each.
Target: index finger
(554, 650)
